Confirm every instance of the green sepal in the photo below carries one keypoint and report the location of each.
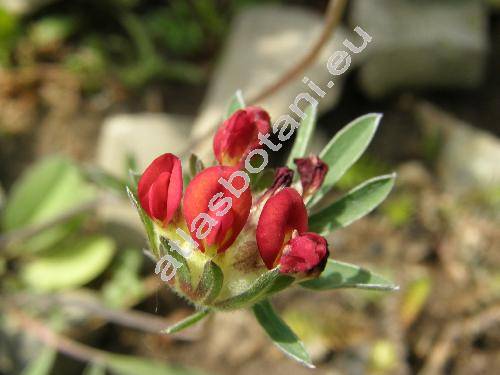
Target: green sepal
(253, 294)
(182, 274)
(210, 283)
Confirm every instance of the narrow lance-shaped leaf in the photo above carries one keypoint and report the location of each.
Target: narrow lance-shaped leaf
(210, 282)
(345, 148)
(282, 336)
(339, 275)
(304, 136)
(237, 102)
(354, 205)
(187, 322)
(41, 365)
(148, 224)
(119, 364)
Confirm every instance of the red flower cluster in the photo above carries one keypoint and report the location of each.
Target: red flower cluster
(218, 201)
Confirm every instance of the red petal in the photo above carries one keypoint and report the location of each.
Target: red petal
(201, 190)
(238, 135)
(282, 214)
(305, 253)
(160, 188)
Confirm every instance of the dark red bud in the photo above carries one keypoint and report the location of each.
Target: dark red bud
(238, 136)
(312, 171)
(306, 253)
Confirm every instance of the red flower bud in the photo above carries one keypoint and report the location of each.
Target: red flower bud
(160, 188)
(312, 171)
(305, 253)
(282, 214)
(216, 206)
(238, 135)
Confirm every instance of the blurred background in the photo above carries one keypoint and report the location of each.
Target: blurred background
(92, 88)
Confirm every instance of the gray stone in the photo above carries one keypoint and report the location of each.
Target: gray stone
(469, 160)
(265, 42)
(422, 44)
(144, 136)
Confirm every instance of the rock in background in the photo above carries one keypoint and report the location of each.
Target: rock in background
(422, 44)
(469, 158)
(263, 44)
(141, 136)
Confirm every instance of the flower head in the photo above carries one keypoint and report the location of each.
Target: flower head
(238, 135)
(160, 188)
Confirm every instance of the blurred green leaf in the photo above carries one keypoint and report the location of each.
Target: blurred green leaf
(48, 189)
(94, 369)
(344, 275)
(187, 322)
(69, 266)
(354, 205)
(237, 102)
(125, 283)
(304, 136)
(132, 365)
(41, 365)
(148, 224)
(282, 336)
(416, 295)
(52, 29)
(9, 30)
(345, 149)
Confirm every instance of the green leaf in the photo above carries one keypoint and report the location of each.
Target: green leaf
(148, 223)
(344, 275)
(187, 322)
(132, 365)
(124, 283)
(106, 180)
(354, 205)
(256, 291)
(210, 283)
(42, 364)
(282, 336)
(69, 266)
(94, 369)
(237, 102)
(345, 149)
(48, 189)
(304, 136)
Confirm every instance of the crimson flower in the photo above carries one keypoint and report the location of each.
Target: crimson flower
(216, 212)
(160, 188)
(238, 135)
(284, 215)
